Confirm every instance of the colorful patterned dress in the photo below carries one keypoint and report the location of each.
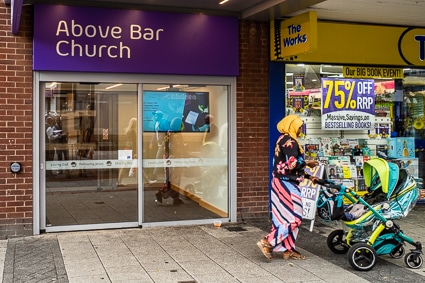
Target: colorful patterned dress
(285, 198)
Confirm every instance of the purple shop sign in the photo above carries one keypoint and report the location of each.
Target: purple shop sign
(348, 104)
(87, 39)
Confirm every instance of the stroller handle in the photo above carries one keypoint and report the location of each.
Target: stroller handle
(329, 184)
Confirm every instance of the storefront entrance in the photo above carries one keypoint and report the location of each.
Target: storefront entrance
(125, 154)
(84, 126)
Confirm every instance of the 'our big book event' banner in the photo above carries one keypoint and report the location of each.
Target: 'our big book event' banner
(348, 104)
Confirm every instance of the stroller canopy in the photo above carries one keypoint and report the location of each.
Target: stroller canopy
(378, 173)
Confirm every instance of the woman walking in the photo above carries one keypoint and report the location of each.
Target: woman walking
(285, 197)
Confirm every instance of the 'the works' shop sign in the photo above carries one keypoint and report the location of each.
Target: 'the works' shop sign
(348, 104)
(130, 41)
(294, 36)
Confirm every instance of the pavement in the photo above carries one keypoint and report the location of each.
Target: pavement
(196, 253)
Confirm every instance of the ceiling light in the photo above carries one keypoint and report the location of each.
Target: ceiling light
(113, 86)
(52, 85)
(222, 2)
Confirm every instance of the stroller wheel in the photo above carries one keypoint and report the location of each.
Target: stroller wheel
(413, 260)
(336, 242)
(398, 252)
(362, 257)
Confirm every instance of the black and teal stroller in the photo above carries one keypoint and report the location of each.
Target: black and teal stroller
(369, 226)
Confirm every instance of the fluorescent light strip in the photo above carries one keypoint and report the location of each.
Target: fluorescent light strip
(113, 86)
(222, 2)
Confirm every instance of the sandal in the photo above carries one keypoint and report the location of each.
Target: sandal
(265, 248)
(293, 255)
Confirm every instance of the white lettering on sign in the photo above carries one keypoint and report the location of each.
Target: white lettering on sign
(365, 87)
(307, 192)
(88, 31)
(364, 102)
(66, 48)
(136, 32)
(76, 46)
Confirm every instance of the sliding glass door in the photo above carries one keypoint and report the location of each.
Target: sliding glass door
(185, 153)
(90, 146)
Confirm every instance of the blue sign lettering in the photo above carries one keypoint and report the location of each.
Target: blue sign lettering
(421, 39)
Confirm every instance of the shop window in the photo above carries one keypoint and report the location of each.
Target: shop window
(397, 131)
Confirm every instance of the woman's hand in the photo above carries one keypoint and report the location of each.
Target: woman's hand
(313, 179)
(312, 163)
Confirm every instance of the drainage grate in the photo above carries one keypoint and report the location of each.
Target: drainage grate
(235, 229)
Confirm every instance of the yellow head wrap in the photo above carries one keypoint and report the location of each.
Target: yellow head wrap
(290, 125)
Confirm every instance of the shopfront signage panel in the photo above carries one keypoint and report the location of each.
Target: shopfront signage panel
(340, 43)
(348, 104)
(294, 36)
(372, 73)
(88, 39)
(412, 46)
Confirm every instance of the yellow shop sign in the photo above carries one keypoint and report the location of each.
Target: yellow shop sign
(412, 46)
(362, 45)
(294, 36)
(373, 72)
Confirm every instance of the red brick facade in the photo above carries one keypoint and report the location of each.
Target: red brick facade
(16, 116)
(252, 120)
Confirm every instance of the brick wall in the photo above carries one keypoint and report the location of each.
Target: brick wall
(252, 121)
(15, 124)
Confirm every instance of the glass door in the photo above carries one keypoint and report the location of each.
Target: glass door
(185, 156)
(90, 153)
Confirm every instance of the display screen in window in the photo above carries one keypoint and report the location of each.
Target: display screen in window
(175, 111)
